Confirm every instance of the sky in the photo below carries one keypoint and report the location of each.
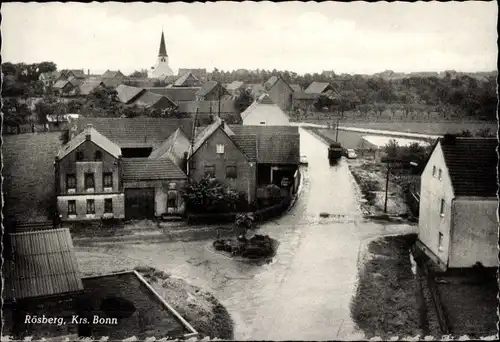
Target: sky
(355, 37)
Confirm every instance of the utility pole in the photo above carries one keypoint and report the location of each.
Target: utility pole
(386, 187)
(220, 95)
(337, 131)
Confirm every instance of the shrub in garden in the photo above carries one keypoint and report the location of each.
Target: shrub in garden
(211, 196)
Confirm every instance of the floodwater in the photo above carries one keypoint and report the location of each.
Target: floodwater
(305, 292)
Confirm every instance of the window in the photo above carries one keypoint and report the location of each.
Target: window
(440, 242)
(210, 170)
(108, 179)
(89, 181)
(79, 156)
(440, 174)
(441, 209)
(220, 149)
(90, 206)
(72, 207)
(108, 205)
(262, 122)
(70, 182)
(172, 199)
(434, 171)
(192, 165)
(98, 155)
(231, 171)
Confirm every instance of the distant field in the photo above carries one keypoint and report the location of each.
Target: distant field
(424, 127)
(28, 171)
(417, 127)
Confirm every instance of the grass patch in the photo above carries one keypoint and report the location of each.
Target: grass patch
(386, 302)
(201, 309)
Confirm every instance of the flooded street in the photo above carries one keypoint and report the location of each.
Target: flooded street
(305, 292)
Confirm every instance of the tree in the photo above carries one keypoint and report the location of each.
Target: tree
(485, 133)
(392, 149)
(464, 133)
(244, 100)
(139, 74)
(15, 112)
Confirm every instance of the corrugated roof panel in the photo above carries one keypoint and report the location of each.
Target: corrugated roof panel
(44, 265)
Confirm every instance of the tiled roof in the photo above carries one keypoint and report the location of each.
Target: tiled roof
(265, 107)
(165, 147)
(112, 74)
(176, 94)
(235, 85)
(140, 131)
(148, 99)
(96, 137)
(88, 86)
(127, 94)
(278, 148)
(472, 164)
(206, 88)
(247, 144)
(51, 75)
(182, 81)
(135, 169)
(111, 82)
(304, 96)
(44, 264)
(258, 130)
(226, 106)
(296, 87)
(199, 73)
(208, 131)
(270, 82)
(60, 84)
(317, 87)
(75, 81)
(273, 80)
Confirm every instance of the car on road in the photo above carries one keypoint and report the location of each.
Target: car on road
(303, 160)
(351, 154)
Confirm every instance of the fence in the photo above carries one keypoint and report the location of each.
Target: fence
(36, 128)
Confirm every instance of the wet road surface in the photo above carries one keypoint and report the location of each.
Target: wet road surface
(305, 292)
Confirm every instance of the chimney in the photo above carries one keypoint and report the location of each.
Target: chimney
(88, 72)
(87, 132)
(222, 123)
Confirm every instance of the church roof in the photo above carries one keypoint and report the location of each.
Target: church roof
(163, 48)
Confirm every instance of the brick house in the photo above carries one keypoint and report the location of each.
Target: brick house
(226, 157)
(277, 155)
(458, 224)
(155, 101)
(246, 158)
(280, 92)
(187, 80)
(88, 178)
(123, 168)
(127, 94)
(212, 91)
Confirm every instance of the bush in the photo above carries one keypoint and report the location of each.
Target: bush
(211, 196)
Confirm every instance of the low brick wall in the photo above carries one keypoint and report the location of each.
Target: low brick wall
(261, 215)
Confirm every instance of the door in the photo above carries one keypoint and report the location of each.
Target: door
(139, 203)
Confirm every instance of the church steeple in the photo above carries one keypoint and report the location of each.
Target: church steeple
(163, 49)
